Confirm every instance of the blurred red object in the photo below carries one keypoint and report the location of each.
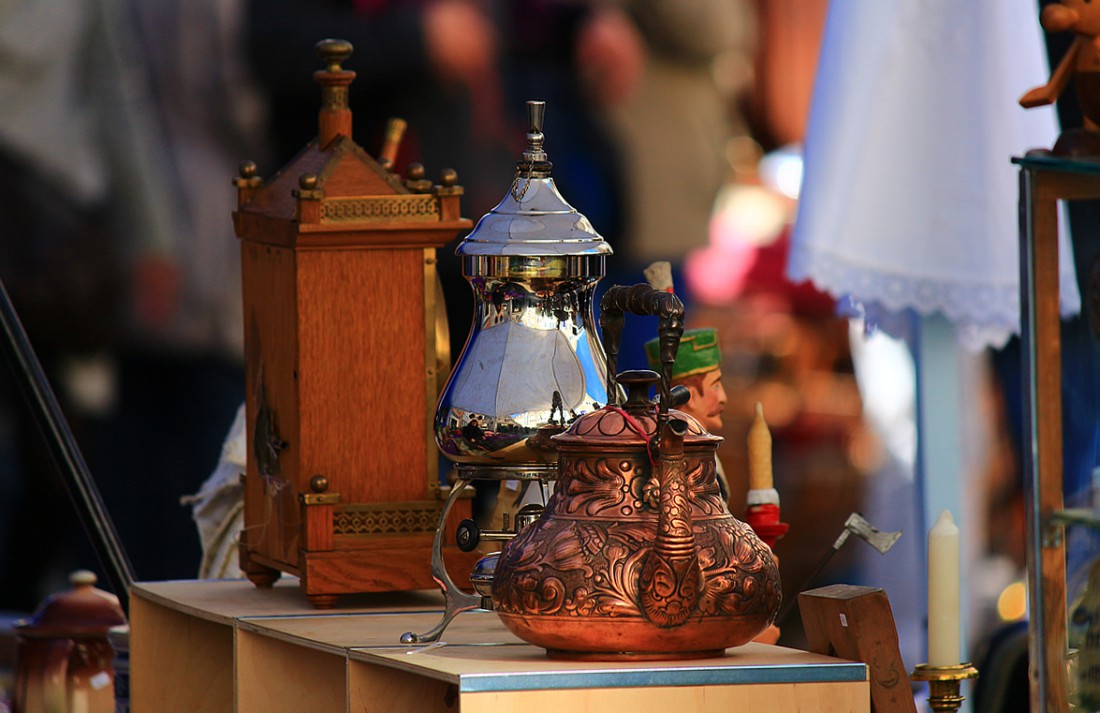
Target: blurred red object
(728, 270)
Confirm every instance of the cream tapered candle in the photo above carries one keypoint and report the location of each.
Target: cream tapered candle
(943, 592)
(760, 452)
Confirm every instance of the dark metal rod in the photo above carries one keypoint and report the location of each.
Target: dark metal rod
(78, 481)
(790, 601)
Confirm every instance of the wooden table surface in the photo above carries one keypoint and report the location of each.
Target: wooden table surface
(270, 650)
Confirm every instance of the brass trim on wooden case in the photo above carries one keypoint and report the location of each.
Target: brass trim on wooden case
(407, 208)
(319, 498)
(386, 518)
(437, 362)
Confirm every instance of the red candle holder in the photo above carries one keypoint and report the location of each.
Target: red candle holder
(764, 520)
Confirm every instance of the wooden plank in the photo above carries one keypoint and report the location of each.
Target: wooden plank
(452, 662)
(280, 232)
(335, 633)
(1043, 428)
(178, 663)
(271, 327)
(1067, 186)
(377, 689)
(225, 601)
(276, 677)
(361, 335)
(850, 697)
(371, 564)
(318, 527)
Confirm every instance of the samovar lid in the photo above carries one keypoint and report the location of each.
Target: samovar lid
(534, 219)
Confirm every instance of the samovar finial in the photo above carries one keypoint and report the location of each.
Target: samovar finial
(534, 154)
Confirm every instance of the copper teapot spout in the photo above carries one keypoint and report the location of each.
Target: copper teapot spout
(671, 577)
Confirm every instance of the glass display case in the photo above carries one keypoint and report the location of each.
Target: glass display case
(1058, 674)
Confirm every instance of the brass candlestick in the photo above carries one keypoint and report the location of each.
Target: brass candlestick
(944, 683)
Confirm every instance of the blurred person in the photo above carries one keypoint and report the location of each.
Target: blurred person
(676, 117)
(669, 97)
(180, 367)
(948, 285)
(432, 64)
(75, 138)
(576, 57)
(150, 112)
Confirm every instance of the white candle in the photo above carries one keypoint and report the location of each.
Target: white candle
(943, 592)
(760, 452)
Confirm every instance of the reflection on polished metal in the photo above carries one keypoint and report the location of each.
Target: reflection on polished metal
(636, 555)
(456, 600)
(533, 358)
(944, 684)
(533, 362)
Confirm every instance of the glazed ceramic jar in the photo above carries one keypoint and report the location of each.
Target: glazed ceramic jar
(64, 660)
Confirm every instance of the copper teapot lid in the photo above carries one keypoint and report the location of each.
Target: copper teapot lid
(84, 609)
(635, 422)
(534, 219)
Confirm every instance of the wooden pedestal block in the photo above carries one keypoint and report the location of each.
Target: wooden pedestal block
(856, 623)
(343, 368)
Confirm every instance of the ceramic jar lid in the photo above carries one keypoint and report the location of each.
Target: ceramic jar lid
(83, 610)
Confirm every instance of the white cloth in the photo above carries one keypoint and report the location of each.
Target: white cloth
(218, 508)
(909, 198)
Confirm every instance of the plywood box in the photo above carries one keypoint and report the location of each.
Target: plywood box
(195, 648)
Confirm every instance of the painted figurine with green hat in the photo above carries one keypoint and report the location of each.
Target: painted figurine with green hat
(698, 367)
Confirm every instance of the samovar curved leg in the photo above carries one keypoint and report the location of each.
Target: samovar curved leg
(456, 601)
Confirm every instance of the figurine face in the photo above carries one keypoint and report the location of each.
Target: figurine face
(1080, 16)
(708, 400)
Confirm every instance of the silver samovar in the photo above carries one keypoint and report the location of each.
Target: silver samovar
(533, 361)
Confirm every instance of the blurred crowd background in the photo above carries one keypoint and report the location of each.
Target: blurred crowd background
(674, 125)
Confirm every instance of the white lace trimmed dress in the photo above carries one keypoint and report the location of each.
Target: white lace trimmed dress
(909, 198)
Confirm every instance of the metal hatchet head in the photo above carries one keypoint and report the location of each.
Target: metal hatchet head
(856, 525)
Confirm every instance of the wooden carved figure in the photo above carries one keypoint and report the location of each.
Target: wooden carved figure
(1082, 63)
(698, 367)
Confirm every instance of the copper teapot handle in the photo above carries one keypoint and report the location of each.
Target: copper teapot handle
(642, 299)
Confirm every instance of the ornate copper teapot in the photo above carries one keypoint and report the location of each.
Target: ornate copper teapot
(636, 555)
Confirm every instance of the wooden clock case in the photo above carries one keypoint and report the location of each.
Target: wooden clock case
(341, 303)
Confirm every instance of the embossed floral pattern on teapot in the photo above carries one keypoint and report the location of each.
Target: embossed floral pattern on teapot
(636, 555)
